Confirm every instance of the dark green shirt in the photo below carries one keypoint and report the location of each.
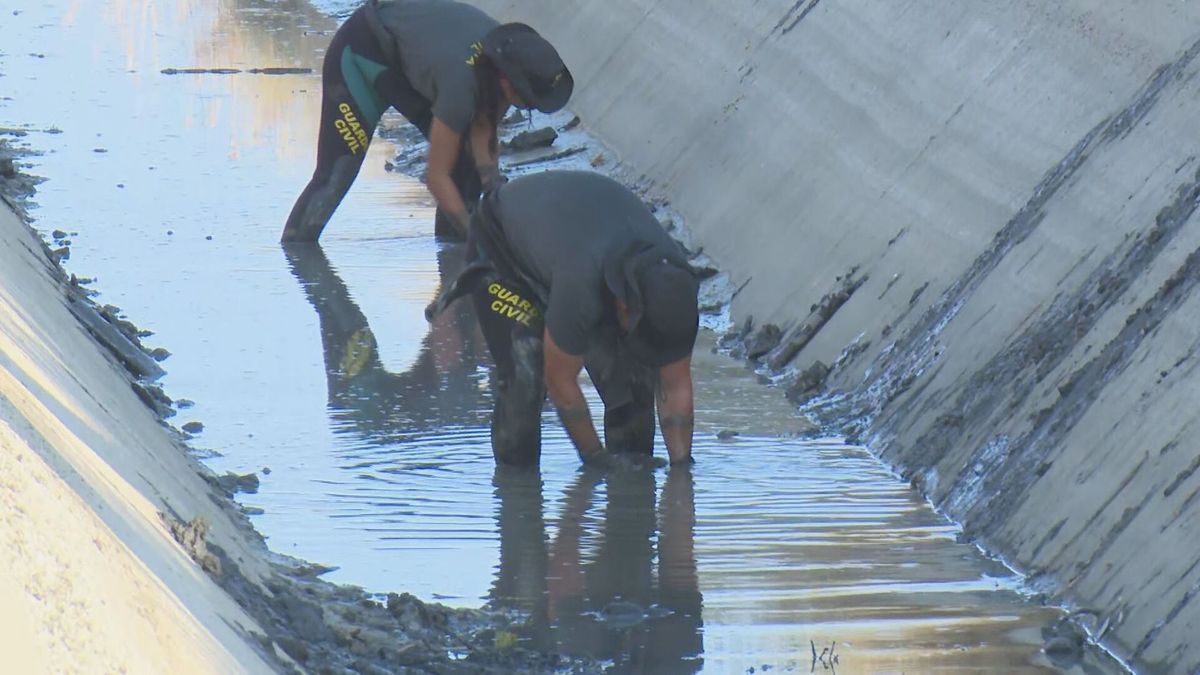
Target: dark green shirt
(563, 227)
(438, 41)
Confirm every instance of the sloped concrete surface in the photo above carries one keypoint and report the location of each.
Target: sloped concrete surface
(1015, 186)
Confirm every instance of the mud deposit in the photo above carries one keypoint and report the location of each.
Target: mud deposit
(352, 433)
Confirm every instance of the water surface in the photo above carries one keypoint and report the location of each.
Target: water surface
(317, 363)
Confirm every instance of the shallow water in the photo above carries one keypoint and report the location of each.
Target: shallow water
(317, 363)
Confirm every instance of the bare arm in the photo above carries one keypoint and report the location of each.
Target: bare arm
(486, 152)
(676, 415)
(444, 144)
(562, 383)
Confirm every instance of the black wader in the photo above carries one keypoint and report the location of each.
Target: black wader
(360, 78)
(510, 308)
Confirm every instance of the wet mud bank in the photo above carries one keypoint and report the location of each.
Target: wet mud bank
(81, 413)
(965, 236)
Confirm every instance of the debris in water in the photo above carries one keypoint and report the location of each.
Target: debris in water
(199, 71)
(270, 70)
(280, 71)
(531, 140)
(549, 158)
(234, 483)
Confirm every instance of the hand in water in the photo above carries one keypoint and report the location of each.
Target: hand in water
(607, 460)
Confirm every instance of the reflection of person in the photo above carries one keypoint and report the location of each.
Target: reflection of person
(452, 71)
(609, 605)
(441, 386)
(570, 270)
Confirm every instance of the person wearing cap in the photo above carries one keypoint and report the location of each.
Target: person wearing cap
(571, 271)
(452, 71)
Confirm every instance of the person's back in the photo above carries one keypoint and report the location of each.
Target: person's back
(570, 270)
(437, 41)
(572, 220)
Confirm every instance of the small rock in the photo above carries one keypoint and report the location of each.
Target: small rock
(530, 140)
(735, 340)
(808, 382)
(184, 403)
(704, 270)
(58, 234)
(99, 150)
(1063, 651)
(514, 117)
(170, 232)
(7, 168)
(192, 537)
(208, 237)
(120, 185)
(155, 398)
(575, 121)
(234, 483)
(266, 471)
(193, 427)
(763, 340)
(159, 354)
(410, 612)
(726, 434)
(252, 511)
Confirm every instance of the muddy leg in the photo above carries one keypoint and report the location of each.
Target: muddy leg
(350, 110)
(518, 385)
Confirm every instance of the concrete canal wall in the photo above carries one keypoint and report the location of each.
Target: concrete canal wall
(92, 488)
(982, 215)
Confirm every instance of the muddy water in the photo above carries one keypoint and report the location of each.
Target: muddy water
(316, 363)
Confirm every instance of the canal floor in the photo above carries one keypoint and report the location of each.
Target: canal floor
(314, 368)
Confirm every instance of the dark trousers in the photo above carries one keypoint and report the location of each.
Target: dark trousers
(358, 83)
(511, 319)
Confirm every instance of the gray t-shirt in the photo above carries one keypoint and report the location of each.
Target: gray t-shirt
(562, 228)
(438, 41)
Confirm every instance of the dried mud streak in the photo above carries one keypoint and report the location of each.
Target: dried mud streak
(788, 28)
(1011, 376)
(914, 351)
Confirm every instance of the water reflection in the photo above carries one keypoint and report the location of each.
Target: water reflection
(442, 387)
(622, 587)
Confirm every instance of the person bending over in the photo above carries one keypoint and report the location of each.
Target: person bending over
(452, 71)
(571, 271)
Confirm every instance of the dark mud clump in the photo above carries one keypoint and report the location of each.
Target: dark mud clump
(326, 628)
